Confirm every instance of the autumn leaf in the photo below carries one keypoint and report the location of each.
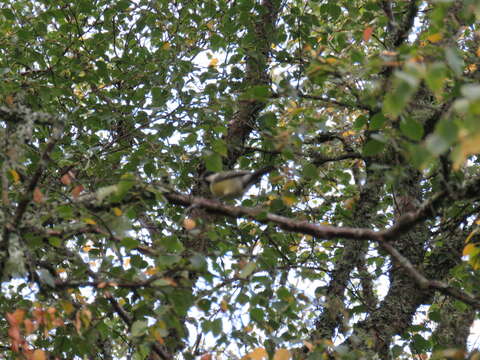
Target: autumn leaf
(189, 224)
(282, 354)
(468, 145)
(89, 221)
(213, 62)
(257, 354)
(224, 305)
(434, 38)
(15, 176)
(39, 355)
(76, 191)
(9, 99)
(117, 211)
(367, 33)
(66, 179)
(37, 195)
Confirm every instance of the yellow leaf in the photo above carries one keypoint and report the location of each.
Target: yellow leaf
(478, 52)
(257, 354)
(117, 211)
(468, 145)
(472, 68)
(89, 221)
(151, 271)
(213, 62)
(469, 249)
(289, 200)
(435, 37)
(166, 46)
(331, 60)
(474, 262)
(281, 354)
(348, 133)
(67, 307)
(86, 248)
(293, 248)
(15, 176)
(289, 185)
(224, 305)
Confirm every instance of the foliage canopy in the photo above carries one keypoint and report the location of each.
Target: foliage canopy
(362, 243)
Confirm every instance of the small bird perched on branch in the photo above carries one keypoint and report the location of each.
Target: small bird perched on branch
(234, 183)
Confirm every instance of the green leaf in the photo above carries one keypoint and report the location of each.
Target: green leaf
(411, 128)
(373, 147)
(213, 162)
(127, 181)
(436, 77)
(405, 86)
(377, 121)
(55, 241)
(216, 326)
(454, 61)
(310, 171)
(420, 344)
(167, 260)
(159, 96)
(219, 147)
(139, 328)
(247, 270)
(129, 243)
(257, 315)
(360, 122)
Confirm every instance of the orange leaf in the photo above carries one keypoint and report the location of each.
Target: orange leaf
(117, 211)
(282, 354)
(206, 357)
(189, 224)
(29, 326)
(66, 179)
(9, 99)
(39, 355)
(37, 195)
(367, 33)
(76, 191)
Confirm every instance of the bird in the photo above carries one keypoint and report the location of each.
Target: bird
(233, 184)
